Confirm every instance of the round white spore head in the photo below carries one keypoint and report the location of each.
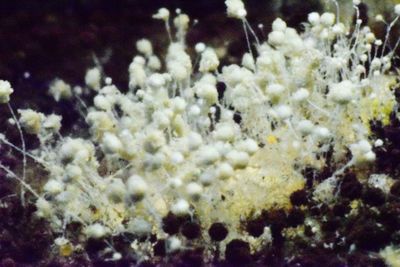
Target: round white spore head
(5, 91)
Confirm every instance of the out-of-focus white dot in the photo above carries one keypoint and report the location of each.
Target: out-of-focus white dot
(108, 80)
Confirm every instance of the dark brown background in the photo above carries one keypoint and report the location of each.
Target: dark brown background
(58, 38)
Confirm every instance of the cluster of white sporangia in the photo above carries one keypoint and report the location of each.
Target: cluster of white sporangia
(170, 144)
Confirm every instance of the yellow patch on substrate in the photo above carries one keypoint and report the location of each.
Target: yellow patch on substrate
(294, 232)
(271, 139)
(113, 215)
(267, 184)
(381, 105)
(391, 256)
(66, 250)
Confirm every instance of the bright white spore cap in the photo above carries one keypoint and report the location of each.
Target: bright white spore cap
(162, 14)
(137, 187)
(279, 25)
(328, 19)
(283, 111)
(276, 38)
(53, 187)
(322, 133)
(156, 80)
(208, 155)
(102, 102)
(200, 47)
(111, 143)
(93, 78)
(194, 190)
(236, 9)
(96, 231)
(249, 146)
(225, 171)
(275, 89)
(60, 90)
(207, 177)
(238, 159)
(300, 95)
(145, 47)
(180, 207)
(305, 127)
(397, 9)
(174, 244)
(342, 92)
(225, 132)
(314, 18)
(5, 91)
(194, 140)
(362, 151)
(378, 143)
